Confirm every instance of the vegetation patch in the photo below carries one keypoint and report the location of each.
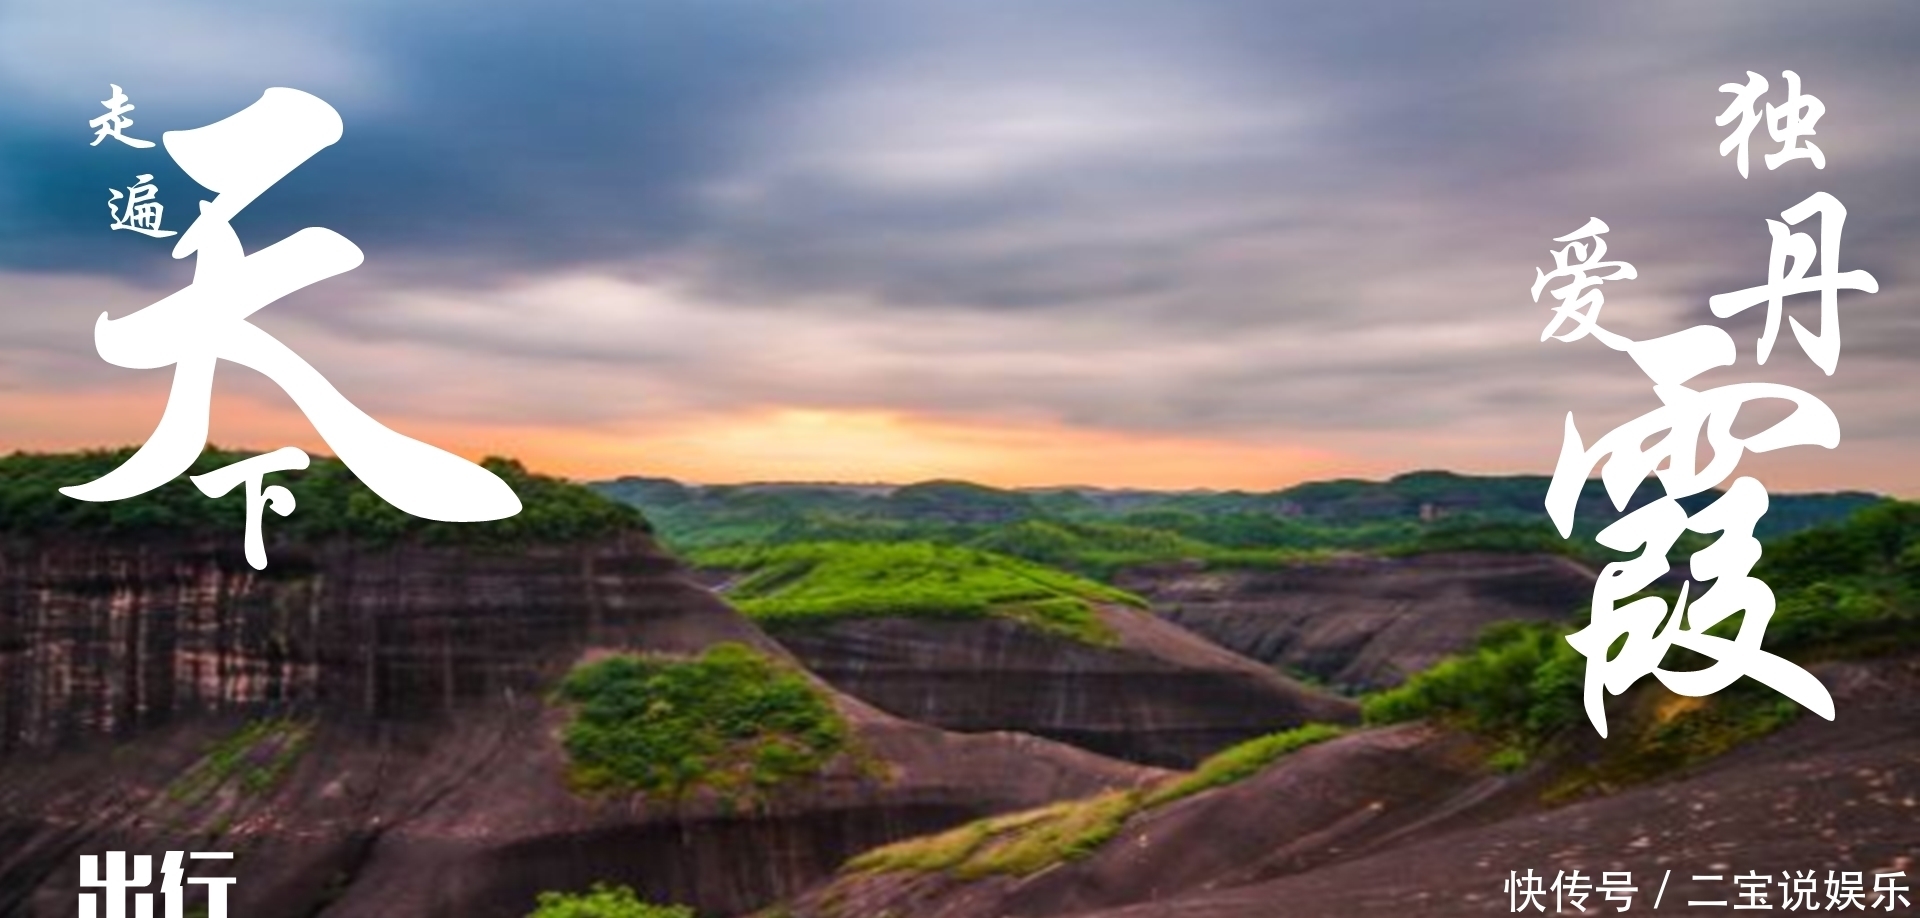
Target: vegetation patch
(1846, 590)
(1237, 763)
(1072, 831)
(253, 761)
(1520, 687)
(731, 720)
(819, 582)
(1665, 733)
(603, 901)
(333, 503)
(1097, 532)
(1022, 844)
(1508, 759)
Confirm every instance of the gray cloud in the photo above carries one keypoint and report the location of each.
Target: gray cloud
(1224, 219)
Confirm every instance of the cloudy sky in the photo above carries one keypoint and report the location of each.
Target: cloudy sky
(1167, 243)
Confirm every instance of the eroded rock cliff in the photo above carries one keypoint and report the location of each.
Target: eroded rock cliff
(369, 729)
(1156, 694)
(1364, 623)
(1411, 820)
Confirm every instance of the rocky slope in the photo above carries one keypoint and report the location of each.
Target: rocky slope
(1363, 623)
(1157, 695)
(1819, 797)
(1406, 820)
(1322, 805)
(401, 755)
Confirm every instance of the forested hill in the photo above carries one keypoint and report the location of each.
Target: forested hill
(1091, 528)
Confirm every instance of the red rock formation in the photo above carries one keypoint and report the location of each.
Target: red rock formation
(1407, 820)
(1841, 796)
(429, 780)
(1324, 804)
(1364, 623)
(1158, 695)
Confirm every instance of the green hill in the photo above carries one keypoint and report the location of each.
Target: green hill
(814, 582)
(331, 503)
(1095, 531)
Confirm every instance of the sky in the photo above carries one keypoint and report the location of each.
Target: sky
(1161, 243)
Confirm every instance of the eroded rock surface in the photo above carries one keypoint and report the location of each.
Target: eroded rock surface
(1364, 623)
(1408, 820)
(422, 774)
(1819, 796)
(1325, 804)
(1158, 695)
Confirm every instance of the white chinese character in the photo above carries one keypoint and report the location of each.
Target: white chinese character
(1578, 302)
(143, 212)
(1618, 887)
(1702, 878)
(1753, 891)
(1572, 887)
(1673, 431)
(216, 886)
(115, 121)
(1887, 888)
(1523, 891)
(1726, 562)
(116, 880)
(1785, 123)
(193, 329)
(1787, 266)
(1847, 888)
(218, 482)
(1798, 892)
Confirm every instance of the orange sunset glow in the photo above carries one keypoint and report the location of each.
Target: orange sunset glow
(810, 444)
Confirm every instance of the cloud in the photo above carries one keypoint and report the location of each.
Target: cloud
(1240, 222)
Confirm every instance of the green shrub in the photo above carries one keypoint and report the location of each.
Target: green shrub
(1473, 534)
(1025, 843)
(1514, 687)
(1508, 759)
(1872, 540)
(1096, 533)
(1071, 831)
(332, 503)
(817, 582)
(603, 901)
(253, 759)
(731, 720)
(1700, 729)
(1093, 548)
(938, 852)
(1841, 590)
(1243, 761)
(1848, 589)
(1521, 688)
(1018, 844)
